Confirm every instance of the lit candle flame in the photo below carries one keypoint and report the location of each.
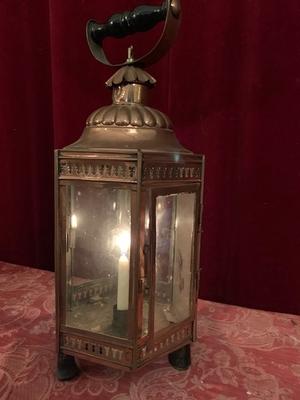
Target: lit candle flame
(123, 241)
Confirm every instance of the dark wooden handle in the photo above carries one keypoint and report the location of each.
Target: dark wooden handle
(141, 19)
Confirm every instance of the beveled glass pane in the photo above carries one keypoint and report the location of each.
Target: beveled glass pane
(98, 258)
(173, 258)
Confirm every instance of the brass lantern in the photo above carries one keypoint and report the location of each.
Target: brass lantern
(128, 210)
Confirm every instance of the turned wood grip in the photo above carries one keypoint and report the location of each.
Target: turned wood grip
(141, 19)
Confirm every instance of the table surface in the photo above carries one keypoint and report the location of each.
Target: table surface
(240, 353)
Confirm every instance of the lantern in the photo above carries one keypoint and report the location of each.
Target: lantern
(128, 208)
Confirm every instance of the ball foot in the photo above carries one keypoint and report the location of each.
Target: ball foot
(181, 358)
(66, 367)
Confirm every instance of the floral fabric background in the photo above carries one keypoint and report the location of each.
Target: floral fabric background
(241, 353)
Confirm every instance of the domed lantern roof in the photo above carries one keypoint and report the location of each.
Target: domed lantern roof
(129, 123)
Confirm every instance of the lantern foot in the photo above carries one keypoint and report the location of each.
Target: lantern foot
(66, 367)
(181, 359)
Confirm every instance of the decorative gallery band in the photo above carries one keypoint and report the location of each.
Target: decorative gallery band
(172, 173)
(98, 170)
(124, 354)
(126, 171)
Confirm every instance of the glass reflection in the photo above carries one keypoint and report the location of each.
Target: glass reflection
(98, 257)
(173, 258)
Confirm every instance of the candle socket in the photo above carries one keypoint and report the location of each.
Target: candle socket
(120, 322)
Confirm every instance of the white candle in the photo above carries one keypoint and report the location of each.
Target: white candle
(123, 242)
(123, 283)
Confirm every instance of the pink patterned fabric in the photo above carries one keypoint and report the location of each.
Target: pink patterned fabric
(241, 353)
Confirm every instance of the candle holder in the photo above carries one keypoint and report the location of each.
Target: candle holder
(120, 322)
(128, 219)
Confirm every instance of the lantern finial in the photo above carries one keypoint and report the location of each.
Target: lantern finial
(130, 58)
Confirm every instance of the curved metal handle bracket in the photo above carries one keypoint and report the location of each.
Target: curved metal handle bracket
(141, 19)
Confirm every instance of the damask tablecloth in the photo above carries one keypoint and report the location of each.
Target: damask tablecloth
(241, 353)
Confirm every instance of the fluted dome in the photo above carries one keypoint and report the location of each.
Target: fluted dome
(129, 123)
(129, 115)
(130, 74)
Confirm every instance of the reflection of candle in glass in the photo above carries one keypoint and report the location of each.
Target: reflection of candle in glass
(74, 221)
(74, 224)
(123, 271)
(147, 222)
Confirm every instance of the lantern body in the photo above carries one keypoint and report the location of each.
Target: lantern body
(127, 239)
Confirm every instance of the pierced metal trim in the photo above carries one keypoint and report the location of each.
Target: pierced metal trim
(179, 172)
(107, 352)
(97, 170)
(160, 346)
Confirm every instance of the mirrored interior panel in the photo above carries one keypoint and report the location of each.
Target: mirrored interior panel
(173, 258)
(98, 258)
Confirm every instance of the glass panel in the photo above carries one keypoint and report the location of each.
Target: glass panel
(173, 258)
(98, 257)
(146, 293)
